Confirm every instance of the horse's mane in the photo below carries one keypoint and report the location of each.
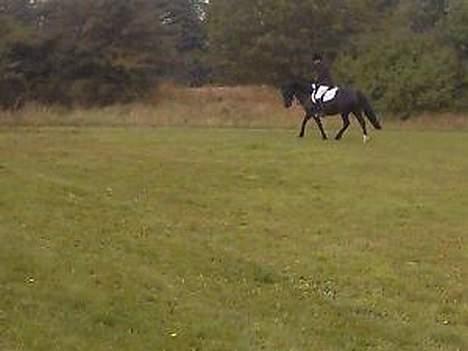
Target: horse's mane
(300, 84)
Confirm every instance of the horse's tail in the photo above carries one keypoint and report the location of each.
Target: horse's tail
(371, 116)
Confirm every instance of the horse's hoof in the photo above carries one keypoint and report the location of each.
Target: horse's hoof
(365, 139)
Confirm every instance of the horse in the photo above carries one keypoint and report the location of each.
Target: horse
(319, 101)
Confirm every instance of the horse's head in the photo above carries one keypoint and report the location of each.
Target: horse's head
(300, 89)
(287, 92)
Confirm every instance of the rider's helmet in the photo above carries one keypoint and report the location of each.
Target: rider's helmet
(317, 57)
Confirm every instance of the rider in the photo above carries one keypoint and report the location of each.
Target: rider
(323, 76)
(322, 71)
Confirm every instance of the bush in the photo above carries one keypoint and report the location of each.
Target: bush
(404, 74)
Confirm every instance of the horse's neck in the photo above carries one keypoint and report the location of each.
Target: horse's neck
(303, 97)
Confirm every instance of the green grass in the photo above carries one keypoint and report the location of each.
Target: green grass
(218, 239)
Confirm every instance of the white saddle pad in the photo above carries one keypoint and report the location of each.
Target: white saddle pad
(324, 94)
(330, 95)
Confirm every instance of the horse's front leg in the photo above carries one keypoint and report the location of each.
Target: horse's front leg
(319, 124)
(362, 122)
(304, 124)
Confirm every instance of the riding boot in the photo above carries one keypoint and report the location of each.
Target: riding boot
(320, 110)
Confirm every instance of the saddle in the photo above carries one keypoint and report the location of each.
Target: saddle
(320, 95)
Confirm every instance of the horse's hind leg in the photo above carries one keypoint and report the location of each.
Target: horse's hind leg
(319, 124)
(345, 117)
(362, 122)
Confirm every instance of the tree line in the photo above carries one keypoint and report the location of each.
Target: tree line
(92, 52)
(407, 55)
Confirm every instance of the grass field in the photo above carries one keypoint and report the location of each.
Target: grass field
(231, 239)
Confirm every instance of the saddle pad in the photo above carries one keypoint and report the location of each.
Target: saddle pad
(323, 93)
(330, 95)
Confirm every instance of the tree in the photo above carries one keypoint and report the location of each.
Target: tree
(456, 25)
(17, 19)
(258, 41)
(99, 51)
(94, 51)
(455, 31)
(183, 20)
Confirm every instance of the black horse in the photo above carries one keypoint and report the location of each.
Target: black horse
(344, 102)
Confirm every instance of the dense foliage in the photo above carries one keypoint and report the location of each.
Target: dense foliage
(409, 56)
(94, 51)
